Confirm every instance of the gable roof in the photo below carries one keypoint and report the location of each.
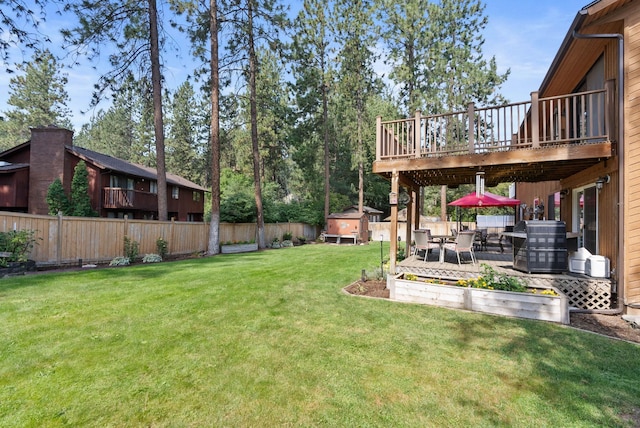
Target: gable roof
(365, 209)
(103, 161)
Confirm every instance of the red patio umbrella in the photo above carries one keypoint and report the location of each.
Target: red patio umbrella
(472, 200)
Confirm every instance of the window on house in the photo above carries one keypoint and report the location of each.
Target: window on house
(175, 192)
(196, 196)
(153, 186)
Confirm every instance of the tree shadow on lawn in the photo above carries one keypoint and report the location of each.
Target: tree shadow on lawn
(582, 376)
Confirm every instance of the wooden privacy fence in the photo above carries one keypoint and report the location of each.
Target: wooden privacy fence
(66, 240)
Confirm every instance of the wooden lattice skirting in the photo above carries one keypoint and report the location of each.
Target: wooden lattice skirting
(582, 292)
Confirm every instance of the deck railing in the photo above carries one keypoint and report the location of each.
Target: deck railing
(117, 197)
(583, 117)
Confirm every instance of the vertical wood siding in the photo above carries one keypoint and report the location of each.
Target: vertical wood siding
(632, 157)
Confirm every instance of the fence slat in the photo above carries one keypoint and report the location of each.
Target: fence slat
(65, 240)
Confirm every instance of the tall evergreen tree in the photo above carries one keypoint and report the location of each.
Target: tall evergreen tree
(56, 198)
(408, 41)
(255, 22)
(38, 98)
(204, 32)
(458, 71)
(312, 69)
(357, 79)
(131, 27)
(80, 202)
(181, 151)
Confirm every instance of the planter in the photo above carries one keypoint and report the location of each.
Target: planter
(18, 268)
(238, 248)
(496, 302)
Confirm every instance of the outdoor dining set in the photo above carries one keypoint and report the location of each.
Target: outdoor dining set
(458, 242)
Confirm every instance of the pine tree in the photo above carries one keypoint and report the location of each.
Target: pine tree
(57, 199)
(38, 97)
(131, 27)
(80, 203)
(357, 79)
(255, 22)
(17, 19)
(314, 81)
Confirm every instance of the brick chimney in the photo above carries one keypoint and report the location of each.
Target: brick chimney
(47, 162)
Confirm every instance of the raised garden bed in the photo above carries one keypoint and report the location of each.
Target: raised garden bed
(17, 268)
(238, 248)
(443, 293)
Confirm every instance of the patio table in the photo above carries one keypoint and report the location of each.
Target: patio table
(443, 239)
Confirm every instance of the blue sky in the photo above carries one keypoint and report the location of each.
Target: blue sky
(524, 36)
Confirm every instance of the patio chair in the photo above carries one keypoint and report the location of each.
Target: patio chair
(424, 242)
(463, 244)
(481, 238)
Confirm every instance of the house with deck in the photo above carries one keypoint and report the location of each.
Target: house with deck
(572, 148)
(116, 187)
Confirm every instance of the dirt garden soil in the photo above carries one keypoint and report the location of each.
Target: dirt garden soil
(608, 325)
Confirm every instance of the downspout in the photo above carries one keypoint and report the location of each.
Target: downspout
(619, 278)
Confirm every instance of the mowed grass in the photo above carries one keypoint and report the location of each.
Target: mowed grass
(269, 339)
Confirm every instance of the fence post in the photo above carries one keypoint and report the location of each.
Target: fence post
(471, 112)
(535, 120)
(59, 243)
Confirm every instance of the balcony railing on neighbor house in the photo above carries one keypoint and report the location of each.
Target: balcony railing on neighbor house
(119, 198)
(583, 117)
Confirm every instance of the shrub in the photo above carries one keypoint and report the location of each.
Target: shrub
(163, 247)
(119, 261)
(131, 248)
(151, 258)
(287, 236)
(19, 243)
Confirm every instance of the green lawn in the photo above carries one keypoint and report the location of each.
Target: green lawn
(269, 339)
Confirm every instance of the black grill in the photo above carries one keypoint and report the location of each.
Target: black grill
(540, 246)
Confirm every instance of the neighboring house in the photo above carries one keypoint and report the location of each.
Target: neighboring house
(116, 187)
(574, 148)
(373, 214)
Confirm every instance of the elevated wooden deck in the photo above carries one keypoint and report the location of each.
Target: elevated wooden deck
(583, 292)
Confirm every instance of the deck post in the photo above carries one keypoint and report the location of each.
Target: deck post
(378, 138)
(393, 233)
(408, 226)
(416, 134)
(610, 108)
(535, 121)
(471, 130)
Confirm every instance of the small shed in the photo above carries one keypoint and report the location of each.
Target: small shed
(373, 214)
(347, 227)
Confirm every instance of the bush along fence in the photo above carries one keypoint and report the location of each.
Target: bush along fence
(61, 240)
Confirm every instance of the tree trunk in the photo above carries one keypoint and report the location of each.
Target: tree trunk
(157, 111)
(253, 70)
(327, 172)
(214, 229)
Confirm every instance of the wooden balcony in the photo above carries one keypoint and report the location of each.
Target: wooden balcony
(119, 198)
(537, 140)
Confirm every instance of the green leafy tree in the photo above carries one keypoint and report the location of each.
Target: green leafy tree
(38, 97)
(80, 203)
(56, 198)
